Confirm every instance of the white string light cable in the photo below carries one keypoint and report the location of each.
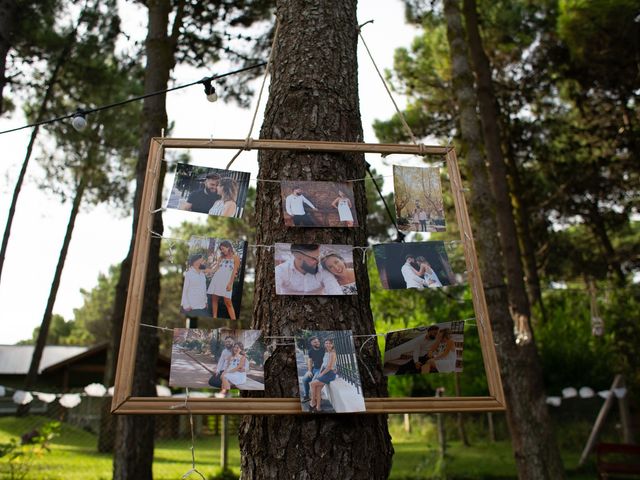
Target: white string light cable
(185, 405)
(79, 116)
(368, 336)
(362, 248)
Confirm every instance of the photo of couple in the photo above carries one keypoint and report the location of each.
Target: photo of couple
(436, 349)
(213, 191)
(311, 269)
(413, 265)
(222, 358)
(213, 278)
(318, 204)
(328, 372)
(418, 199)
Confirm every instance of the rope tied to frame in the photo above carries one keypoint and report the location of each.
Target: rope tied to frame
(405, 125)
(249, 141)
(193, 470)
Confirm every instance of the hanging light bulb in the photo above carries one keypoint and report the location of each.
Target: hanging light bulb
(79, 121)
(209, 90)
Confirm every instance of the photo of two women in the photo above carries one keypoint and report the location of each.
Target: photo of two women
(213, 278)
(328, 373)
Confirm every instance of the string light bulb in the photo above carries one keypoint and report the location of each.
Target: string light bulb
(79, 120)
(209, 90)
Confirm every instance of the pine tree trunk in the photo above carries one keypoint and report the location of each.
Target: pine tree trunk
(313, 95)
(528, 248)
(535, 449)
(41, 341)
(599, 230)
(489, 116)
(462, 433)
(42, 110)
(134, 439)
(8, 17)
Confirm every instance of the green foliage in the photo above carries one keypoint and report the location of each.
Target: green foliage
(565, 76)
(92, 74)
(61, 332)
(17, 458)
(596, 33)
(72, 453)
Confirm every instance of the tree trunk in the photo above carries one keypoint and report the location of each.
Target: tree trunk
(42, 110)
(528, 249)
(489, 115)
(134, 440)
(32, 375)
(536, 452)
(599, 230)
(313, 95)
(8, 23)
(462, 433)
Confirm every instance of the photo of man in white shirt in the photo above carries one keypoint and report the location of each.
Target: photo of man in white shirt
(194, 289)
(411, 277)
(295, 208)
(301, 274)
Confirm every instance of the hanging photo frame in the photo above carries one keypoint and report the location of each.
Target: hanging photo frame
(125, 403)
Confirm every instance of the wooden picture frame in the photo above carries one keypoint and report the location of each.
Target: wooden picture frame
(124, 403)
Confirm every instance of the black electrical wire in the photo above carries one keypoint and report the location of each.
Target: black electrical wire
(133, 99)
(400, 236)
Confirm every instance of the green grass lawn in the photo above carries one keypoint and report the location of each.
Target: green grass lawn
(73, 456)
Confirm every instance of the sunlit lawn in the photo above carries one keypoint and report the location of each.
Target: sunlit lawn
(73, 456)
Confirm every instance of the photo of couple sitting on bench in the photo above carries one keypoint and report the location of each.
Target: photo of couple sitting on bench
(223, 358)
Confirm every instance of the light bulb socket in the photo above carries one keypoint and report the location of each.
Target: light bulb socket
(209, 90)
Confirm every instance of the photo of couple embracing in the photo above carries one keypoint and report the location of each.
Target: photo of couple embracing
(312, 269)
(416, 265)
(213, 278)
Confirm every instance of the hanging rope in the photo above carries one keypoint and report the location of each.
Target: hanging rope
(248, 140)
(398, 111)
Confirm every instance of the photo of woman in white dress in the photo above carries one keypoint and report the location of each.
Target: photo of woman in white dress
(425, 272)
(225, 268)
(442, 355)
(228, 191)
(235, 373)
(343, 204)
(318, 204)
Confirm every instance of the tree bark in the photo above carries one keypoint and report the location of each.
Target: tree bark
(599, 230)
(32, 375)
(313, 95)
(462, 433)
(489, 115)
(528, 249)
(535, 449)
(134, 440)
